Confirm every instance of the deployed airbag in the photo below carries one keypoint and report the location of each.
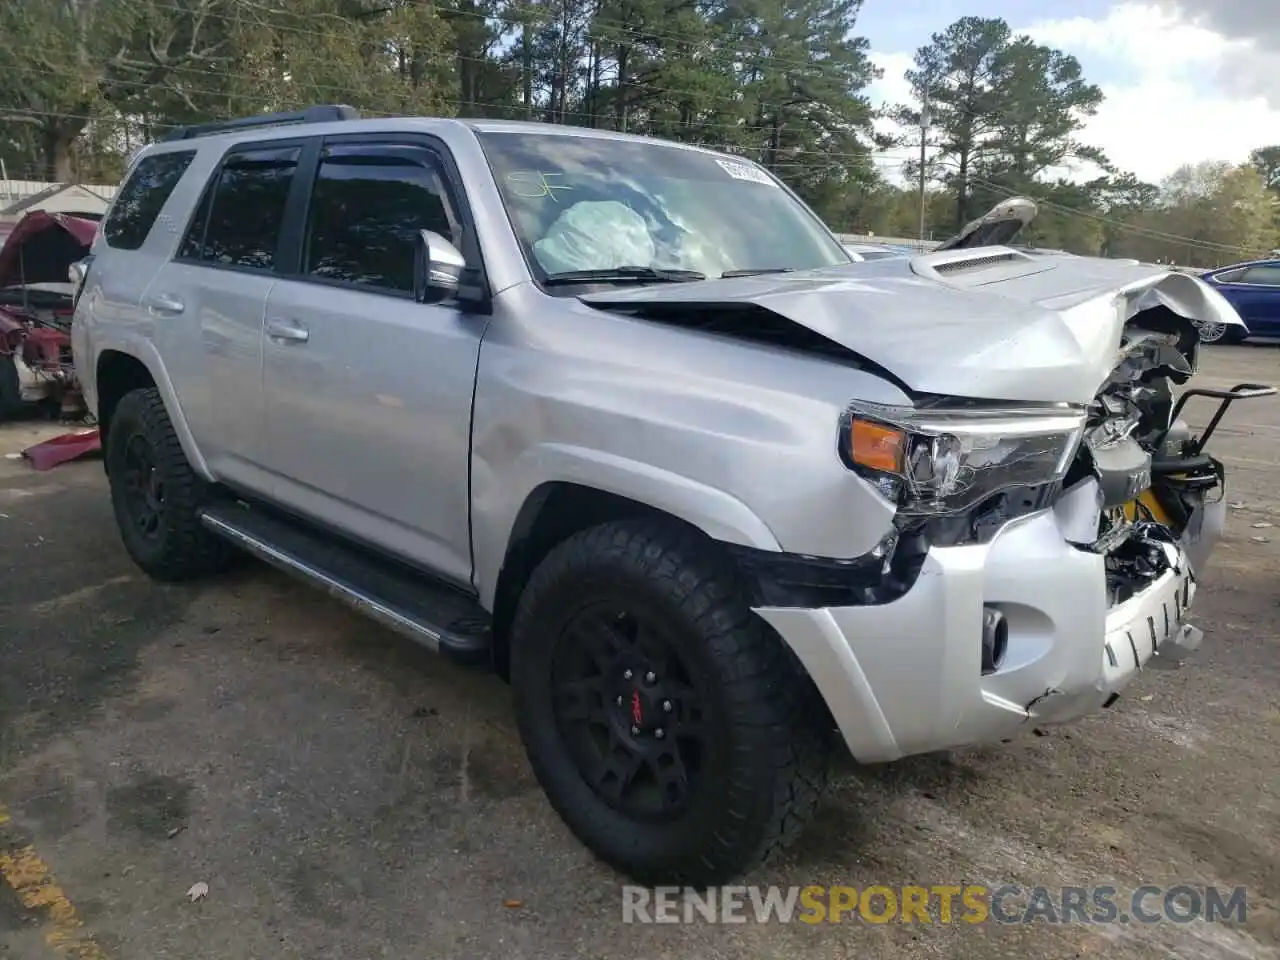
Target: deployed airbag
(595, 235)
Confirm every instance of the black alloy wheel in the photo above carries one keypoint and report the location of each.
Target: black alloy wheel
(630, 711)
(143, 488)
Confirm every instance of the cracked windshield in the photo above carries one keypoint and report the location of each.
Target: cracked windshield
(588, 204)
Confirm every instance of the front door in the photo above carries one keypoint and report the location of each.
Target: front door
(368, 392)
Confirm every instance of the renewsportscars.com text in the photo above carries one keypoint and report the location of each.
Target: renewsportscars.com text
(938, 903)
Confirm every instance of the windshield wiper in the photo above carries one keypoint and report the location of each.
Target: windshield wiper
(625, 275)
(756, 272)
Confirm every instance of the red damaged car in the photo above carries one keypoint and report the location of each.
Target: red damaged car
(37, 297)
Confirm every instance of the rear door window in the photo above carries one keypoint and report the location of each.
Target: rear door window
(239, 220)
(367, 206)
(138, 204)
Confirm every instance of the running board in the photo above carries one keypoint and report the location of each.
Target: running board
(414, 605)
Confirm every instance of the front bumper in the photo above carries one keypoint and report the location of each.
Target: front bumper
(905, 677)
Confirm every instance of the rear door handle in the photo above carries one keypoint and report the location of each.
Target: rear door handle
(164, 303)
(288, 332)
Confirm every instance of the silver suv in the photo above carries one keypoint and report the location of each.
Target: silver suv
(621, 418)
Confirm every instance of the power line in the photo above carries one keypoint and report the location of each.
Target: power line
(536, 14)
(726, 60)
(1118, 224)
(827, 158)
(321, 88)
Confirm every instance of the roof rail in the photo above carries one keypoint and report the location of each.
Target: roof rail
(323, 113)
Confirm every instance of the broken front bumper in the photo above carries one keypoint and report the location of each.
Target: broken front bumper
(906, 677)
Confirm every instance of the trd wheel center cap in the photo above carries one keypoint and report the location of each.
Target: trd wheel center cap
(643, 710)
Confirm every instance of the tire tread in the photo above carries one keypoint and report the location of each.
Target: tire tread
(780, 723)
(189, 550)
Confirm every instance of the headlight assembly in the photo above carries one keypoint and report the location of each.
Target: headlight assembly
(939, 461)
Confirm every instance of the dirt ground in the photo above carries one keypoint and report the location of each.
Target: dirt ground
(345, 795)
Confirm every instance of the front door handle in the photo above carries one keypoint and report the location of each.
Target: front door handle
(164, 303)
(287, 332)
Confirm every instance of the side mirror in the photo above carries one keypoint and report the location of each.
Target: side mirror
(437, 267)
(78, 271)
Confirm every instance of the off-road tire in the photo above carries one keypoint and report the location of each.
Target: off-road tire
(183, 548)
(777, 734)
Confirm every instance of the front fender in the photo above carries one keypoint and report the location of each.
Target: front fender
(718, 514)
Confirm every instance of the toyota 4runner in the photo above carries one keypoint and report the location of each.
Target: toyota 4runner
(621, 418)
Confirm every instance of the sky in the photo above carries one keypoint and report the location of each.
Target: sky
(1184, 80)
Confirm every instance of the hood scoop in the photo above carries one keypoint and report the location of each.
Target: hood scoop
(975, 263)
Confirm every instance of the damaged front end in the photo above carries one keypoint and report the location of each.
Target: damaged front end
(1142, 482)
(38, 286)
(42, 371)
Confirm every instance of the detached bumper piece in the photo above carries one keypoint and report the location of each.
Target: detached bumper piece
(1150, 629)
(63, 449)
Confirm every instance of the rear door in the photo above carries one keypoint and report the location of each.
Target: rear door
(368, 392)
(218, 282)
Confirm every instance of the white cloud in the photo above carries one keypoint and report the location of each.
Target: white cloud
(890, 90)
(1171, 101)
(1251, 71)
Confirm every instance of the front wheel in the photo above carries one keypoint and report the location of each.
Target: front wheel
(666, 722)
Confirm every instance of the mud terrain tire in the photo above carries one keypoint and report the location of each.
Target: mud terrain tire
(156, 495)
(759, 739)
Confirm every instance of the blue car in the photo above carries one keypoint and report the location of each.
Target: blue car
(1254, 290)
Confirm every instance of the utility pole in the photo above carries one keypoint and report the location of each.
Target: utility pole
(924, 139)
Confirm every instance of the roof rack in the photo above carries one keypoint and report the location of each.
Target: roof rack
(323, 113)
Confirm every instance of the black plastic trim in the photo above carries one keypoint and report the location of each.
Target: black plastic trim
(798, 580)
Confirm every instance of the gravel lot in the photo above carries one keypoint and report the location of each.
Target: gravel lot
(345, 795)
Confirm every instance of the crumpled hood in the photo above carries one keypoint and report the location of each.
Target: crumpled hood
(985, 323)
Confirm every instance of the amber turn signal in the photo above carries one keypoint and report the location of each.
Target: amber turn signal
(876, 446)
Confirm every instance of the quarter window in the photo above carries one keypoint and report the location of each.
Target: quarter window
(368, 204)
(238, 222)
(138, 204)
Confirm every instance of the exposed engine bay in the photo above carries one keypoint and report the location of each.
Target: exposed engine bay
(1140, 475)
(37, 302)
(39, 348)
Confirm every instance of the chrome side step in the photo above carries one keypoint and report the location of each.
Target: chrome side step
(433, 614)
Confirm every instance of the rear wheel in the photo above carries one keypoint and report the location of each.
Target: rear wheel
(666, 722)
(156, 495)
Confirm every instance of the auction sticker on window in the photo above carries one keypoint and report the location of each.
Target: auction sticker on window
(745, 171)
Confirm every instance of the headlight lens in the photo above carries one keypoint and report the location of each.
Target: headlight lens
(938, 461)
